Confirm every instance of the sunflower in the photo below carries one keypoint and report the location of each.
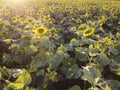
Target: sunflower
(29, 20)
(107, 41)
(16, 19)
(40, 31)
(89, 32)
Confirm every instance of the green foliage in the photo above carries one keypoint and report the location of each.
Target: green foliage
(75, 88)
(22, 81)
(90, 74)
(46, 43)
(73, 72)
(31, 50)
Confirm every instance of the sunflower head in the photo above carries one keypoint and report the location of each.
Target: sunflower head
(29, 20)
(40, 31)
(89, 32)
(16, 19)
(107, 41)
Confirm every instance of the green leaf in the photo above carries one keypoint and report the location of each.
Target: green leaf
(76, 87)
(5, 72)
(108, 88)
(31, 50)
(18, 59)
(113, 84)
(6, 58)
(48, 44)
(62, 48)
(73, 29)
(56, 60)
(81, 53)
(23, 80)
(92, 51)
(91, 73)
(81, 49)
(74, 42)
(16, 86)
(93, 88)
(39, 60)
(114, 51)
(73, 72)
(0, 74)
(7, 41)
(103, 59)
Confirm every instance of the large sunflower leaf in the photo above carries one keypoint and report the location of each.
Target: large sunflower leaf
(91, 73)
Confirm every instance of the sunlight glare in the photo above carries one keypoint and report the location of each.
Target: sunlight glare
(15, 1)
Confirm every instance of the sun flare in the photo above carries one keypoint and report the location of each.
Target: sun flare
(15, 1)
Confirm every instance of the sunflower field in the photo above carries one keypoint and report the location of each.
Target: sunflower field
(59, 44)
